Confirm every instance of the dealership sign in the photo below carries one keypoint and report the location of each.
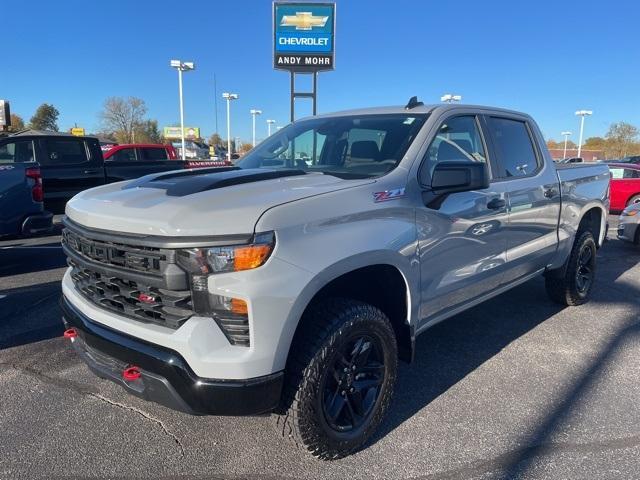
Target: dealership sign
(174, 132)
(303, 36)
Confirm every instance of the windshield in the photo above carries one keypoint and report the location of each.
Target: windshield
(348, 147)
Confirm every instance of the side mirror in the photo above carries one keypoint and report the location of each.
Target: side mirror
(451, 177)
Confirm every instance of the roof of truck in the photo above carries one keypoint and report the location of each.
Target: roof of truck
(419, 109)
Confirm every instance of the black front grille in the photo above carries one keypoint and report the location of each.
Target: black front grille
(140, 259)
(168, 308)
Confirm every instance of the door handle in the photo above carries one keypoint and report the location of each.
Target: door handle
(496, 204)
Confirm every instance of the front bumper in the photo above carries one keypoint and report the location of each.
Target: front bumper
(627, 231)
(165, 376)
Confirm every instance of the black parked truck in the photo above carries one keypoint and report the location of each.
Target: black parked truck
(70, 164)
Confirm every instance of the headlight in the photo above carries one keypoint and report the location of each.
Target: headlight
(234, 258)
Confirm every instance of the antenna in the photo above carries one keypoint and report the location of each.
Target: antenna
(413, 102)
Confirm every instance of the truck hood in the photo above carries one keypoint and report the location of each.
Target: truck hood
(202, 202)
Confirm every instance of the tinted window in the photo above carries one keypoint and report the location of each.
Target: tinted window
(124, 155)
(513, 147)
(154, 154)
(17, 152)
(64, 151)
(458, 140)
(620, 173)
(347, 147)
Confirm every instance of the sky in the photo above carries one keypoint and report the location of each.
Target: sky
(545, 58)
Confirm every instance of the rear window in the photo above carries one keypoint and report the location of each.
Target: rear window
(64, 151)
(19, 151)
(154, 153)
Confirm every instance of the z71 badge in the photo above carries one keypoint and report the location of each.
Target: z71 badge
(388, 195)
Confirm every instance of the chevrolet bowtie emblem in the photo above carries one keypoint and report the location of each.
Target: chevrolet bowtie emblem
(303, 21)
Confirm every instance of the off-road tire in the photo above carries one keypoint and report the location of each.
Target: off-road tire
(562, 284)
(327, 327)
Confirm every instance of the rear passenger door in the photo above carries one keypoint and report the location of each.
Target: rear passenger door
(68, 167)
(533, 194)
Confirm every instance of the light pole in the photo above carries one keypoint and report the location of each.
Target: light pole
(566, 137)
(228, 97)
(181, 67)
(269, 123)
(254, 114)
(449, 98)
(582, 114)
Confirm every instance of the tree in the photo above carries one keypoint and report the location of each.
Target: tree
(45, 118)
(595, 143)
(245, 147)
(147, 131)
(621, 138)
(17, 123)
(216, 140)
(123, 116)
(553, 144)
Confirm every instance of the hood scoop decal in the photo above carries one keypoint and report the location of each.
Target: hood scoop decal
(180, 184)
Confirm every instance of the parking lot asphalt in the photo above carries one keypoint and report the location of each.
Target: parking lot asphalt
(517, 387)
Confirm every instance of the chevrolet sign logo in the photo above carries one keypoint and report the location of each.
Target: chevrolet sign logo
(303, 21)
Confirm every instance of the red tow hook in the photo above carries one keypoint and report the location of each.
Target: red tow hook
(70, 333)
(131, 373)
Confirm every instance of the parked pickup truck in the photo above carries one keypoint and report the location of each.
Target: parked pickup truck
(293, 282)
(21, 198)
(71, 164)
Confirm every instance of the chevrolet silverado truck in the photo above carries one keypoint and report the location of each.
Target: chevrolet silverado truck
(294, 282)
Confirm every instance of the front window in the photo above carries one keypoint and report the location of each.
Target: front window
(347, 147)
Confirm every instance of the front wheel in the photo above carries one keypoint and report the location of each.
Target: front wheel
(572, 284)
(340, 378)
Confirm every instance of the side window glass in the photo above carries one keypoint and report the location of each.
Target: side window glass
(64, 151)
(616, 173)
(154, 154)
(124, 155)
(458, 140)
(514, 148)
(19, 151)
(630, 173)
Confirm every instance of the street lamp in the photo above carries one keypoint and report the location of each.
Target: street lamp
(269, 123)
(582, 114)
(566, 137)
(254, 113)
(181, 67)
(449, 98)
(228, 97)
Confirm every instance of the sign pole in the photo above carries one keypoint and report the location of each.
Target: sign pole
(293, 97)
(315, 90)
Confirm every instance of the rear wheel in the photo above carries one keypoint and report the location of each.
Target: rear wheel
(340, 378)
(572, 284)
(633, 200)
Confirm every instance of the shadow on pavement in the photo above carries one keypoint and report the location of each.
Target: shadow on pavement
(30, 314)
(30, 258)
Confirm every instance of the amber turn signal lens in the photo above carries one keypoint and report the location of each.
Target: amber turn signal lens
(239, 307)
(250, 257)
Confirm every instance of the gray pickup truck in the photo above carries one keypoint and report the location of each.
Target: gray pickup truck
(294, 282)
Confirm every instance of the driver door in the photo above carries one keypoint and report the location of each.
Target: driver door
(460, 241)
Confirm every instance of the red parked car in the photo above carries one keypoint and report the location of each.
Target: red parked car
(625, 185)
(140, 152)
